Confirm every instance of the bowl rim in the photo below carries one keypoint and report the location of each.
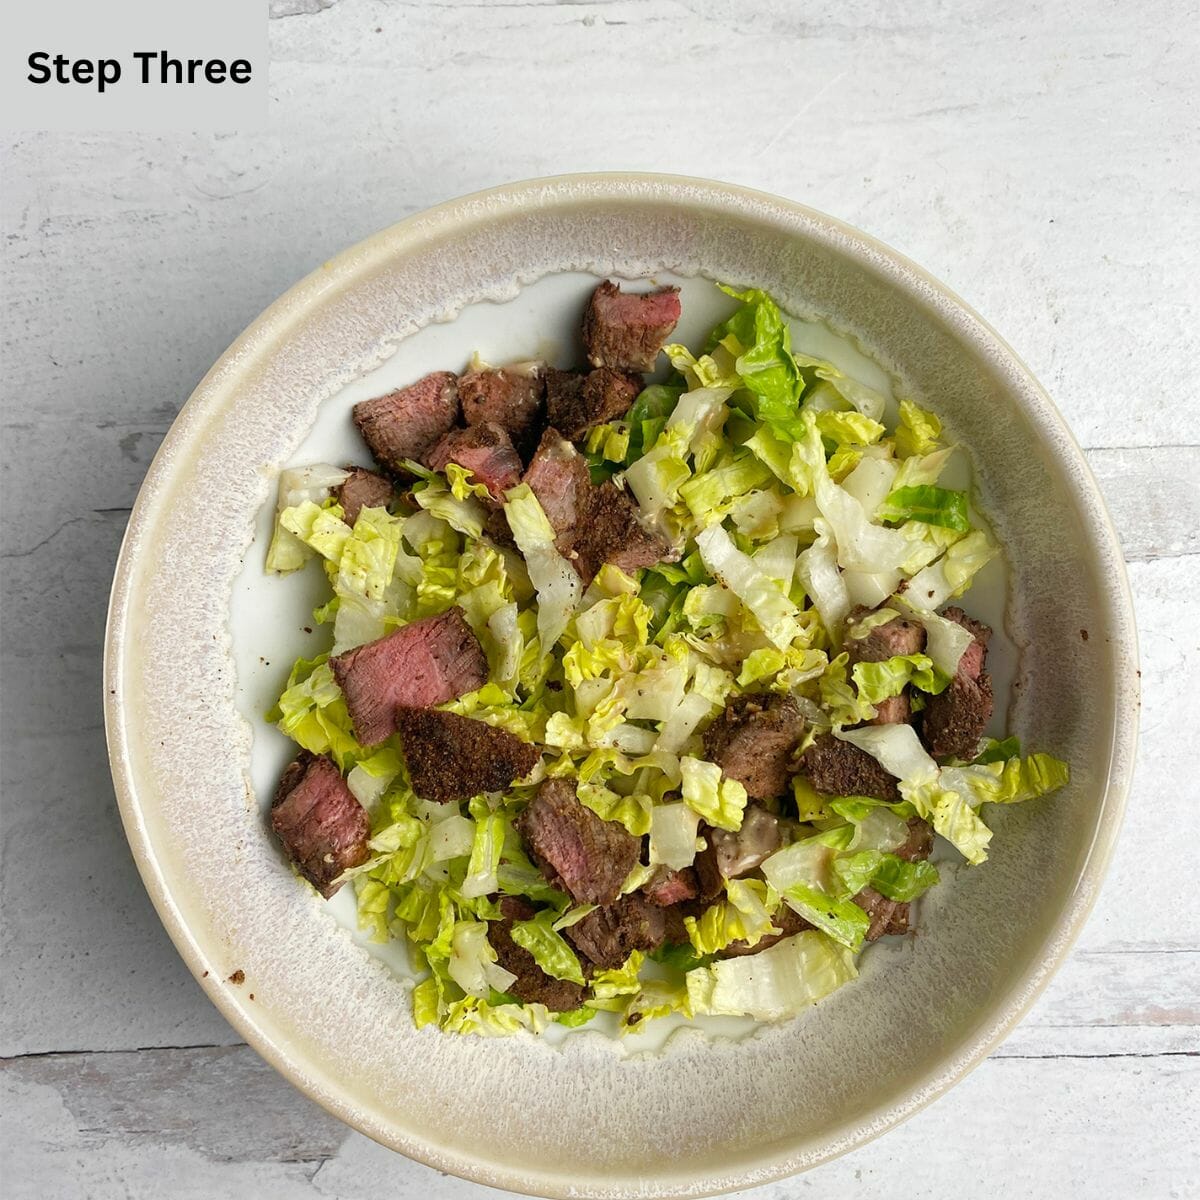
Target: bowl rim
(274, 325)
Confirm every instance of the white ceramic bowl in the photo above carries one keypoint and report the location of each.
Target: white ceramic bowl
(192, 763)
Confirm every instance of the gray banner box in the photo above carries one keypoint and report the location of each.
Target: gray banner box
(227, 30)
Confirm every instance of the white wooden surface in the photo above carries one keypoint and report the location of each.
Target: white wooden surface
(1046, 167)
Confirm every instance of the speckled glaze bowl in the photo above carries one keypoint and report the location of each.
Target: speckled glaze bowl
(588, 1118)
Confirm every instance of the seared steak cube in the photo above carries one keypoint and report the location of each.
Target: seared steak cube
(954, 720)
(426, 662)
(532, 985)
(669, 887)
(626, 330)
(486, 451)
(322, 826)
(608, 531)
(510, 397)
(587, 857)
(454, 758)
(608, 935)
(558, 476)
(576, 404)
(407, 423)
(363, 489)
(836, 768)
(753, 741)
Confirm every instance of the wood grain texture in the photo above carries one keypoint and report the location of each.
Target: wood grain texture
(1042, 166)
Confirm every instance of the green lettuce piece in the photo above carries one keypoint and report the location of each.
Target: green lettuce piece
(463, 485)
(918, 431)
(464, 514)
(877, 681)
(297, 484)
(471, 1015)
(1011, 781)
(951, 574)
(556, 581)
(711, 494)
(929, 504)
(656, 998)
(841, 919)
(717, 798)
(575, 1018)
(617, 982)
(779, 982)
(608, 443)
(755, 589)
(631, 811)
(549, 948)
(745, 915)
(368, 558)
(673, 835)
(486, 847)
(312, 712)
(648, 415)
(680, 958)
(318, 527)
(849, 429)
(898, 879)
(998, 751)
(758, 336)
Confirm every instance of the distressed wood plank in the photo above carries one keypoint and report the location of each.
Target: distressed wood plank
(203, 1123)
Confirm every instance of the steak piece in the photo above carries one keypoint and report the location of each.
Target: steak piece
(575, 404)
(898, 636)
(954, 721)
(532, 985)
(496, 527)
(608, 531)
(486, 451)
(607, 936)
(558, 476)
(426, 662)
(322, 826)
(510, 398)
(837, 768)
(363, 489)
(787, 920)
(919, 845)
(585, 856)
(407, 423)
(753, 741)
(669, 887)
(626, 330)
(454, 758)
(887, 916)
(894, 916)
(595, 525)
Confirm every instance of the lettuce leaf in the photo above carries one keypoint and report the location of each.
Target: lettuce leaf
(757, 591)
(929, 504)
(759, 338)
(556, 581)
(779, 982)
(877, 681)
(297, 485)
(673, 835)
(714, 796)
(549, 948)
(918, 431)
